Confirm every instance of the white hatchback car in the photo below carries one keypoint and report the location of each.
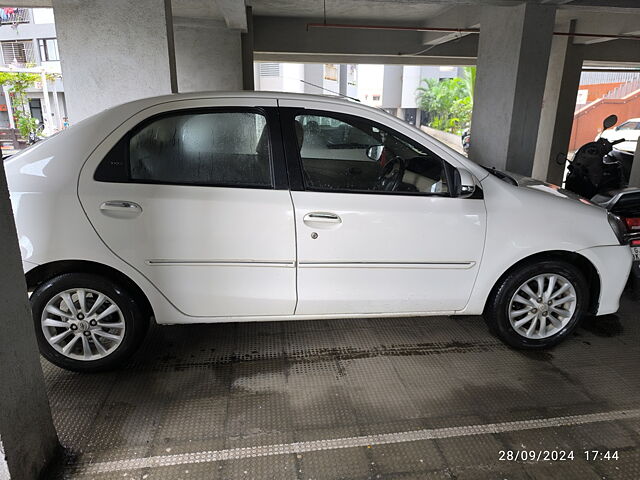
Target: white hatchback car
(218, 207)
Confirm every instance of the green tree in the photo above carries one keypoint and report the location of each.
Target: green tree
(19, 82)
(470, 80)
(448, 103)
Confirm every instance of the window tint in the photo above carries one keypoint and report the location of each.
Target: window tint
(342, 153)
(224, 148)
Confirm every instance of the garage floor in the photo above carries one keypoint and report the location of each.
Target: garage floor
(382, 398)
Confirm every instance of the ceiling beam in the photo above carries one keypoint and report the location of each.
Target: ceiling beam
(453, 17)
(234, 13)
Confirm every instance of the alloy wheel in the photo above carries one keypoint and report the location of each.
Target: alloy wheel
(83, 324)
(542, 306)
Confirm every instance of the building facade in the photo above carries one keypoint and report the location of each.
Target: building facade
(28, 43)
(390, 87)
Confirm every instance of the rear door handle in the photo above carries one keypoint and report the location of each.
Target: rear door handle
(315, 218)
(120, 209)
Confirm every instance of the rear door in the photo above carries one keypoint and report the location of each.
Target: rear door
(386, 238)
(193, 195)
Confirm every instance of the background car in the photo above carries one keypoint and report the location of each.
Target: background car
(629, 130)
(201, 208)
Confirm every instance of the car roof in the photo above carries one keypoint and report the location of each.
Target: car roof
(248, 94)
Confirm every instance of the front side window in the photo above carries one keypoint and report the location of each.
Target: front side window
(350, 154)
(221, 148)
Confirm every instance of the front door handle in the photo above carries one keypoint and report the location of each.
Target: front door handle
(120, 209)
(318, 218)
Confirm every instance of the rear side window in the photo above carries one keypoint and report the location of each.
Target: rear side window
(203, 148)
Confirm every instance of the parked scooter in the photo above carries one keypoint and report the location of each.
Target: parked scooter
(598, 168)
(601, 173)
(34, 135)
(465, 138)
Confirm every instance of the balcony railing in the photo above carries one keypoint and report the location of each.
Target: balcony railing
(11, 16)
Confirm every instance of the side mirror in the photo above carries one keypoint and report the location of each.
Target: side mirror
(374, 152)
(610, 121)
(465, 183)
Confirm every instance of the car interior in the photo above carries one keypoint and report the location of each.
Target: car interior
(355, 155)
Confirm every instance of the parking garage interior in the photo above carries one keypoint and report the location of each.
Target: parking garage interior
(357, 398)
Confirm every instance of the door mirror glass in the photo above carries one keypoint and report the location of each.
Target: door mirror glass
(465, 183)
(374, 152)
(610, 121)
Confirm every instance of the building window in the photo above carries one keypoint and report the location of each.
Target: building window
(17, 53)
(269, 69)
(331, 72)
(48, 49)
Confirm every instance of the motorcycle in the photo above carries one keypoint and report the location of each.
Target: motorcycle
(601, 173)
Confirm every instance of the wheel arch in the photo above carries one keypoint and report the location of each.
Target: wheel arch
(41, 273)
(586, 267)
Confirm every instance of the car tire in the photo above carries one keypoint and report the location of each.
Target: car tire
(512, 310)
(103, 312)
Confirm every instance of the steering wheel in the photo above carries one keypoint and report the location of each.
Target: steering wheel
(391, 175)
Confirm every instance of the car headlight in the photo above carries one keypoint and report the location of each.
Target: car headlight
(619, 228)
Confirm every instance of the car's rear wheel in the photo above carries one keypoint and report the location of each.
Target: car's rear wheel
(86, 322)
(538, 305)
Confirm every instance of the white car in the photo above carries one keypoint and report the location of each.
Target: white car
(629, 131)
(252, 206)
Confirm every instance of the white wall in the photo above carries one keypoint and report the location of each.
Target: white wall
(370, 78)
(292, 73)
(43, 15)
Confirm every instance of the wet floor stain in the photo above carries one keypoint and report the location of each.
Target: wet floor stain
(605, 326)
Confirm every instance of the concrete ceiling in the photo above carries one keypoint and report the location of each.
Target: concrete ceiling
(348, 10)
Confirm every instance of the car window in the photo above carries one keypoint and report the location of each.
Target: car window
(630, 126)
(350, 154)
(221, 148)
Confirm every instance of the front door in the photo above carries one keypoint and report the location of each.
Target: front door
(191, 199)
(378, 230)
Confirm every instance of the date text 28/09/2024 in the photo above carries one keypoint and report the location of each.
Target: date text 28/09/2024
(556, 455)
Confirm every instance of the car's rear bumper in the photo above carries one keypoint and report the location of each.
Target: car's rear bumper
(613, 264)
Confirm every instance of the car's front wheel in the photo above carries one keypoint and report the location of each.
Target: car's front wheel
(86, 322)
(538, 305)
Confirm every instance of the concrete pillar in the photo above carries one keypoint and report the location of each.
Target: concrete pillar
(28, 440)
(513, 54)
(313, 78)
(342, 78)
(112, 52)
(246, 39)
(208, 55)
(556, 119)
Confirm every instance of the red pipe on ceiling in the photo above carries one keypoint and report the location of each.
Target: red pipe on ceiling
(454, 30)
